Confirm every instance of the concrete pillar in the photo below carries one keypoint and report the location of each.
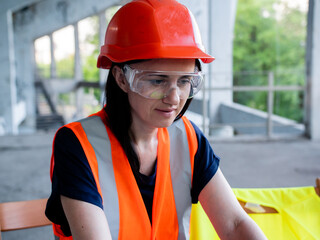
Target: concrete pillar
(25, 72)
(221, 27)
(53, 66)
(312, 105)
(7, 72)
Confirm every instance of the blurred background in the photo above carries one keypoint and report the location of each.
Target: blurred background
(261, 84)
(260, 106)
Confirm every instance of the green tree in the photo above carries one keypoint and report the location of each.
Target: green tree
(270, 36)
(89, 66)
(65, 67)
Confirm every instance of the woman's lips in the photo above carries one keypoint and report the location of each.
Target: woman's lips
(167, 112)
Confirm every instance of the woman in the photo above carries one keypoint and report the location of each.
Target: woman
(132, 170)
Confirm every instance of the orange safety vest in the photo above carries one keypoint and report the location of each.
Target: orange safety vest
(123, 204)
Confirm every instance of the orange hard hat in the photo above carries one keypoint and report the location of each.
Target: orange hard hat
(149, 29)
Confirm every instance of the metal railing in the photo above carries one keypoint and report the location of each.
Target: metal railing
(271, 88)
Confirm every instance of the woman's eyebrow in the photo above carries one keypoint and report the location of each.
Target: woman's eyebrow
(159, 75)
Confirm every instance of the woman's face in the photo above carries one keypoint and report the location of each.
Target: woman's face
(159, 113)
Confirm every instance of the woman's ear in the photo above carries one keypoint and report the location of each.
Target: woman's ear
(120, 78)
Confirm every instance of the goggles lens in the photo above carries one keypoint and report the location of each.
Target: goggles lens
(159, 84)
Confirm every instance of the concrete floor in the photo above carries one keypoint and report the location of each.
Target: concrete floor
(24, 168)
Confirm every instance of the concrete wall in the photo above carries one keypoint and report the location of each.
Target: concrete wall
(249, 121)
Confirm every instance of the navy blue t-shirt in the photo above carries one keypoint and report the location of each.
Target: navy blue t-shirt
(73, 178)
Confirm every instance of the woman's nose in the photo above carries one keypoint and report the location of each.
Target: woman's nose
(172, 96)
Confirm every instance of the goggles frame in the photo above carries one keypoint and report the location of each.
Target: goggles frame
(155, 84)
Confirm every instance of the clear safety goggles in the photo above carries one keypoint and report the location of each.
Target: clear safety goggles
(159, 84)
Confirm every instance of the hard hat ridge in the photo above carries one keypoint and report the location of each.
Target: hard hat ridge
(148, 29)
(160, 3)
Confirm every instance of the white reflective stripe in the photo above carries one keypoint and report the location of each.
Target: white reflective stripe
(99, 140)
(180, 167)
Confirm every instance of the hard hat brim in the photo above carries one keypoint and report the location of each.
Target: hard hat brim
(113, 53)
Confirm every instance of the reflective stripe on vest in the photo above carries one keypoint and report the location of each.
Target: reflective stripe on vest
(181, 172)
(123, 204)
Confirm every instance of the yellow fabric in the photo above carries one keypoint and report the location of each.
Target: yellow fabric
(200, 225)
(298, 216)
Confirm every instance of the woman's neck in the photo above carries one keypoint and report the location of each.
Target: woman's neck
(145, 144)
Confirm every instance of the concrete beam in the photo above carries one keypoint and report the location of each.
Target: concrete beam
(48, 16)
(14, 5)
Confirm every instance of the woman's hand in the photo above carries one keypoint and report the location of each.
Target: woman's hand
(86, 220)
(225, 213)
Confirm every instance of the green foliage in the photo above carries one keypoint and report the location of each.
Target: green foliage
(295, 107)
(268, 39)
(254, 42)
(90, 70)
(91, 74)
(65, 67)
(43, 70)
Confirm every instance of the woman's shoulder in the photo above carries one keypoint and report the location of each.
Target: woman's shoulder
(63, 133)
(97, 119)
(65, 139)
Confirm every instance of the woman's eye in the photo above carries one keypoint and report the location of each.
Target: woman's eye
(184, 81)
(156, 82)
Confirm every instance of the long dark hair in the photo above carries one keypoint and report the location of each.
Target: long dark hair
(119, 119)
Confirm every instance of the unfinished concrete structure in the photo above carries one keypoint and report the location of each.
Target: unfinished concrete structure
(23, 21)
